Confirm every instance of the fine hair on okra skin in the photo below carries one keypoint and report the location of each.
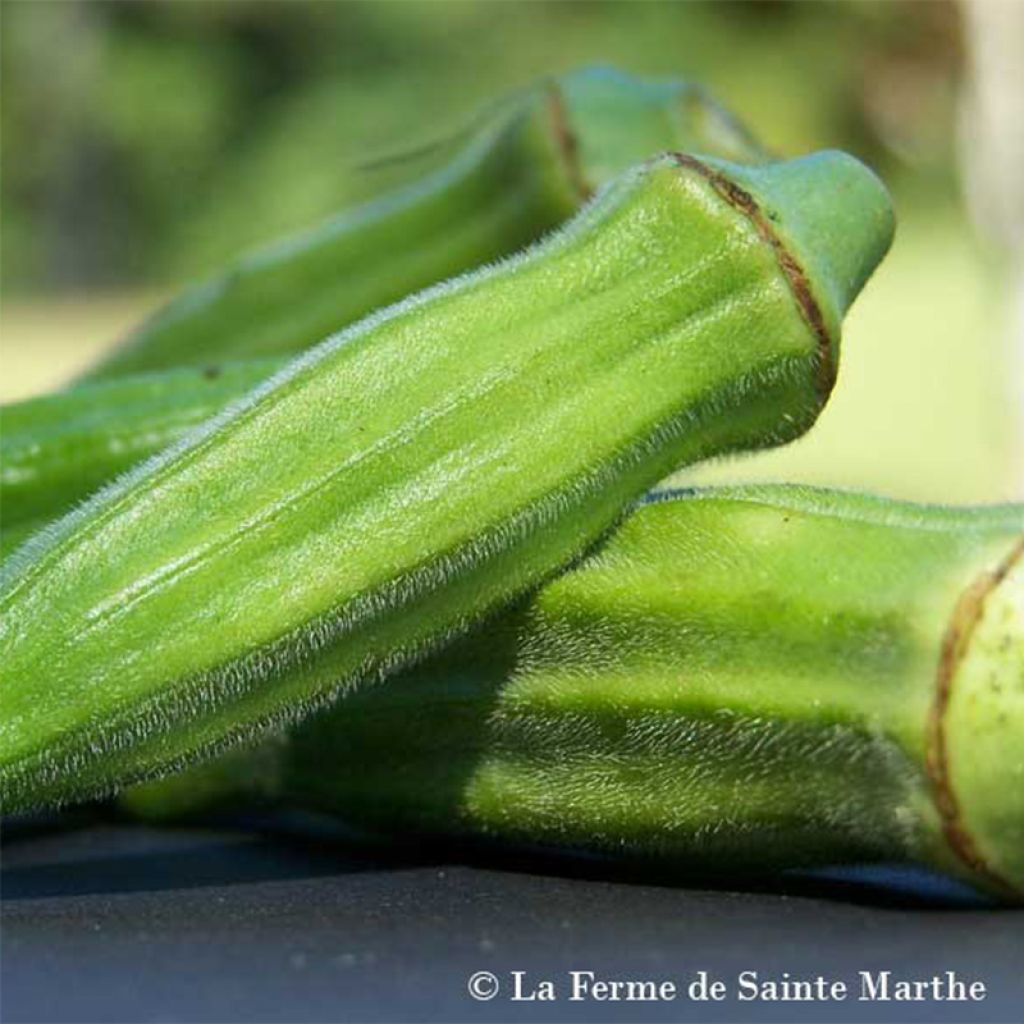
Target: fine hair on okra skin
(57, 449)
(528, 163)
(581, 127)
(736, 682)
(425, 467)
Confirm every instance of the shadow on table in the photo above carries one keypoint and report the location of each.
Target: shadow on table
(77, 855)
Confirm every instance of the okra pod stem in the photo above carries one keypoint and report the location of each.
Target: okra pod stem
(522, 173)
(421, 469)
(737, 682)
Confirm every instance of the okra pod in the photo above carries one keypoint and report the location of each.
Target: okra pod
(737, 682)
(421, 469)
(519, 175)
(57, 449)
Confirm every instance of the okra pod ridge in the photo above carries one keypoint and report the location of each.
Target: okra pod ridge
(737, 681)
(520, 173)
(402, 480)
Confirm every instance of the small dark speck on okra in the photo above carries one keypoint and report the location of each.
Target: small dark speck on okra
(56, 449)
(519, 174)
(415, 472)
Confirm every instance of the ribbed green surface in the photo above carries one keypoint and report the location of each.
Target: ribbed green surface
(518, 175)
(398, 483)
(59, 448)
(735, 682)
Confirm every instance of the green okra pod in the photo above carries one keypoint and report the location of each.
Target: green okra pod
(57, 449)
(737, 682)
(520, 174)
(424, 467)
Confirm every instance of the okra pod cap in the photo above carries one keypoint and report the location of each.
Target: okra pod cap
(829, 216)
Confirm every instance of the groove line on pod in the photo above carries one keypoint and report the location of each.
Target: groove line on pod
(955, 644)
(242, 680)
(123, 601)
(742, 201)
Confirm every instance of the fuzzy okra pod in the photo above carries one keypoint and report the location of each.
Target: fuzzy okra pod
(415, 472)
(517, 176)
(736, 682)
(57, 449)
(564, 137)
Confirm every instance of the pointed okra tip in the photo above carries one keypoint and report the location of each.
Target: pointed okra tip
(833, 217)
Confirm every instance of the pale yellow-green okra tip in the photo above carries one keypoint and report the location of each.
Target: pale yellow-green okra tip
(976, 728)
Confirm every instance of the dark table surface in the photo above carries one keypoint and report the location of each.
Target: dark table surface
(115, 923)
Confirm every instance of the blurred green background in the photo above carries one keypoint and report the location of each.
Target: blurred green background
(145, 143)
